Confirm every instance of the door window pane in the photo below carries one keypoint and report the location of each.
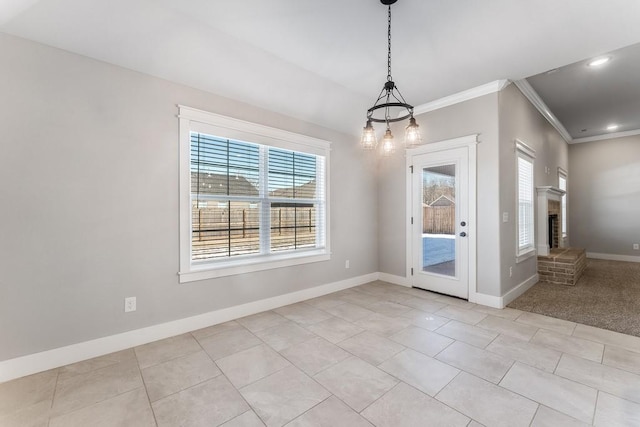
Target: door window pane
(439, 220)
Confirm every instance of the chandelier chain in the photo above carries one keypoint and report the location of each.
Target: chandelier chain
(389, 45)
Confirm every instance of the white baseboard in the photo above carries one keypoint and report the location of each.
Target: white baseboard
(488, 300)
(519, 290)
(50, 359)
(613, 257)
(396, 280)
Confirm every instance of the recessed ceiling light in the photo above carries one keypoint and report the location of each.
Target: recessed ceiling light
(599, 61)
(612, 127)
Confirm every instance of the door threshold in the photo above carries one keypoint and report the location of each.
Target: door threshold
(440, 293)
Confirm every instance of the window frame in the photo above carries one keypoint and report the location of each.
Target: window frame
(194, 120)
(564, 226)
(525, 152)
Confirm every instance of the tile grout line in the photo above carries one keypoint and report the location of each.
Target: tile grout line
(316, 405)
(104, 399)
(534, 414)
(595, 407)
(553, 374)
(226, 378)
(55, 390)
(435, 397)
(144, 385)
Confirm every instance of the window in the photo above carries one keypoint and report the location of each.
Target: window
(525, 181)
(252, 197)
(562, 185)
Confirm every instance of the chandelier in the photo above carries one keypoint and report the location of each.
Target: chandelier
(389, 102)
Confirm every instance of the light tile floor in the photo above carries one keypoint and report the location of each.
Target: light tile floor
(377, 354)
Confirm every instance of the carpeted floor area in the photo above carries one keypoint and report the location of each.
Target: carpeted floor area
(606, 296)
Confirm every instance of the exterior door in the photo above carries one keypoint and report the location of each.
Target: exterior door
(440, 215)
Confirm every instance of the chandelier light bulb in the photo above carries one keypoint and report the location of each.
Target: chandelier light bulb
(412, 135)
(388, 146)
(368, 140)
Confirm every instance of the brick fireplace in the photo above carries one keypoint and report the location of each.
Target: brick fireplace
(556, 264)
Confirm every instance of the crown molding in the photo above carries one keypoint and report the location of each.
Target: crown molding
(495, 86)
(533, 97)
(606, 136)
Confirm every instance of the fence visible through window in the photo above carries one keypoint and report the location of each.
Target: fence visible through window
(219, 232)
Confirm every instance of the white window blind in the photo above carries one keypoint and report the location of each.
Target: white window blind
(525, 196)
(225, 197)
(562, 184)
(525, 203)
(251, 200)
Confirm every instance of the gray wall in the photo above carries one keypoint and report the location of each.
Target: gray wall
(89, 190)
(519, 119)
(499, 118)
(479, 115)
(604, 195)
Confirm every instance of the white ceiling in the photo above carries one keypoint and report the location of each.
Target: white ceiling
(325, 61)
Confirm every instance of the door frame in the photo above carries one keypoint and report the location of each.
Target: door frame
(470, 142)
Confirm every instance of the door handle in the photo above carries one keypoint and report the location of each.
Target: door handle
(463, 223)
(463, 234)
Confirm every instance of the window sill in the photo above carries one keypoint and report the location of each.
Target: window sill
(525, 255)
(249, 265)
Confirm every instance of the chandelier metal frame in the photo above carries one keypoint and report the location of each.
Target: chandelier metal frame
(390, 97)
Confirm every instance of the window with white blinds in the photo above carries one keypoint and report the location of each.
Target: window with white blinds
(256, 200)
(562, 184)
(525, 197)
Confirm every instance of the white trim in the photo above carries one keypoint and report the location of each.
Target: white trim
(530, 253)
(613, 257)
(529, 92)
(249, 265)
(50, 359)
(471, 142)
(519, 290)
(546, 193)
(524, 148)
(432, 147)
(563, 239)
(606, 136)
(456, 98)
(396, 280)
(488, 300)
(253, 129)
(473, 226)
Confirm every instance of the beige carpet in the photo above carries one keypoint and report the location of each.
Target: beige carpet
(606, 296)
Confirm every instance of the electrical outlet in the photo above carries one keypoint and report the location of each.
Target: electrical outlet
(505, 216)
(510, 271)
(636, 246)
(346, 264)
(129, 304)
